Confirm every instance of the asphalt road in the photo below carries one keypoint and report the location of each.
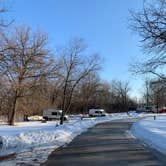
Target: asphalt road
(106, 144)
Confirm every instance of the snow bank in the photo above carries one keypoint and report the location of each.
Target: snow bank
(34, 141)
(152, 132)
(37, 133)
(32, 134)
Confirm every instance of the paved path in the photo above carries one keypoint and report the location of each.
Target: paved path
(106, 144)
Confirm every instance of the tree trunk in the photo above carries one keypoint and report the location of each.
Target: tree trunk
(62, 118)
(13, 111)
(63, 104)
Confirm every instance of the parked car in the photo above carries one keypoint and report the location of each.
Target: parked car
(163, 110)
(146, 109)
(35, 118)
(97, 112)
(52, 114)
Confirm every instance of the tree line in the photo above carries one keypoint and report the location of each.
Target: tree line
(33, 77)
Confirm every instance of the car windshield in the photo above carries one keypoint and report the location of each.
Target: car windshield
(54, 113)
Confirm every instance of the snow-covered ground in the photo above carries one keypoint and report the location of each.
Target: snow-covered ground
(34, 141)
(152, 132)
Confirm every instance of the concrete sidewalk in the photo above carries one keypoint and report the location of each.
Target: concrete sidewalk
(106, 144)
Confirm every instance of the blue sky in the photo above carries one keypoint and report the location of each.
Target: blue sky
(102, 23)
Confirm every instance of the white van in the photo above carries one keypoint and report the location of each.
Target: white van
(51, 114)
(97, 112)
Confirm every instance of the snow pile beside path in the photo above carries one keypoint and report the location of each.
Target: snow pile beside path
(34, 141)
(37, 133)
(152, 132)
(33, 134)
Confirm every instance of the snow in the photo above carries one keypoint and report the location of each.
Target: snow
(152, 132)
(36, 133)
(35, 140)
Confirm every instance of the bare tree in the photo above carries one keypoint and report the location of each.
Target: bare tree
(120, 95)
(75, 67)
(150, 24)
(24, 61)
(92, 92)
